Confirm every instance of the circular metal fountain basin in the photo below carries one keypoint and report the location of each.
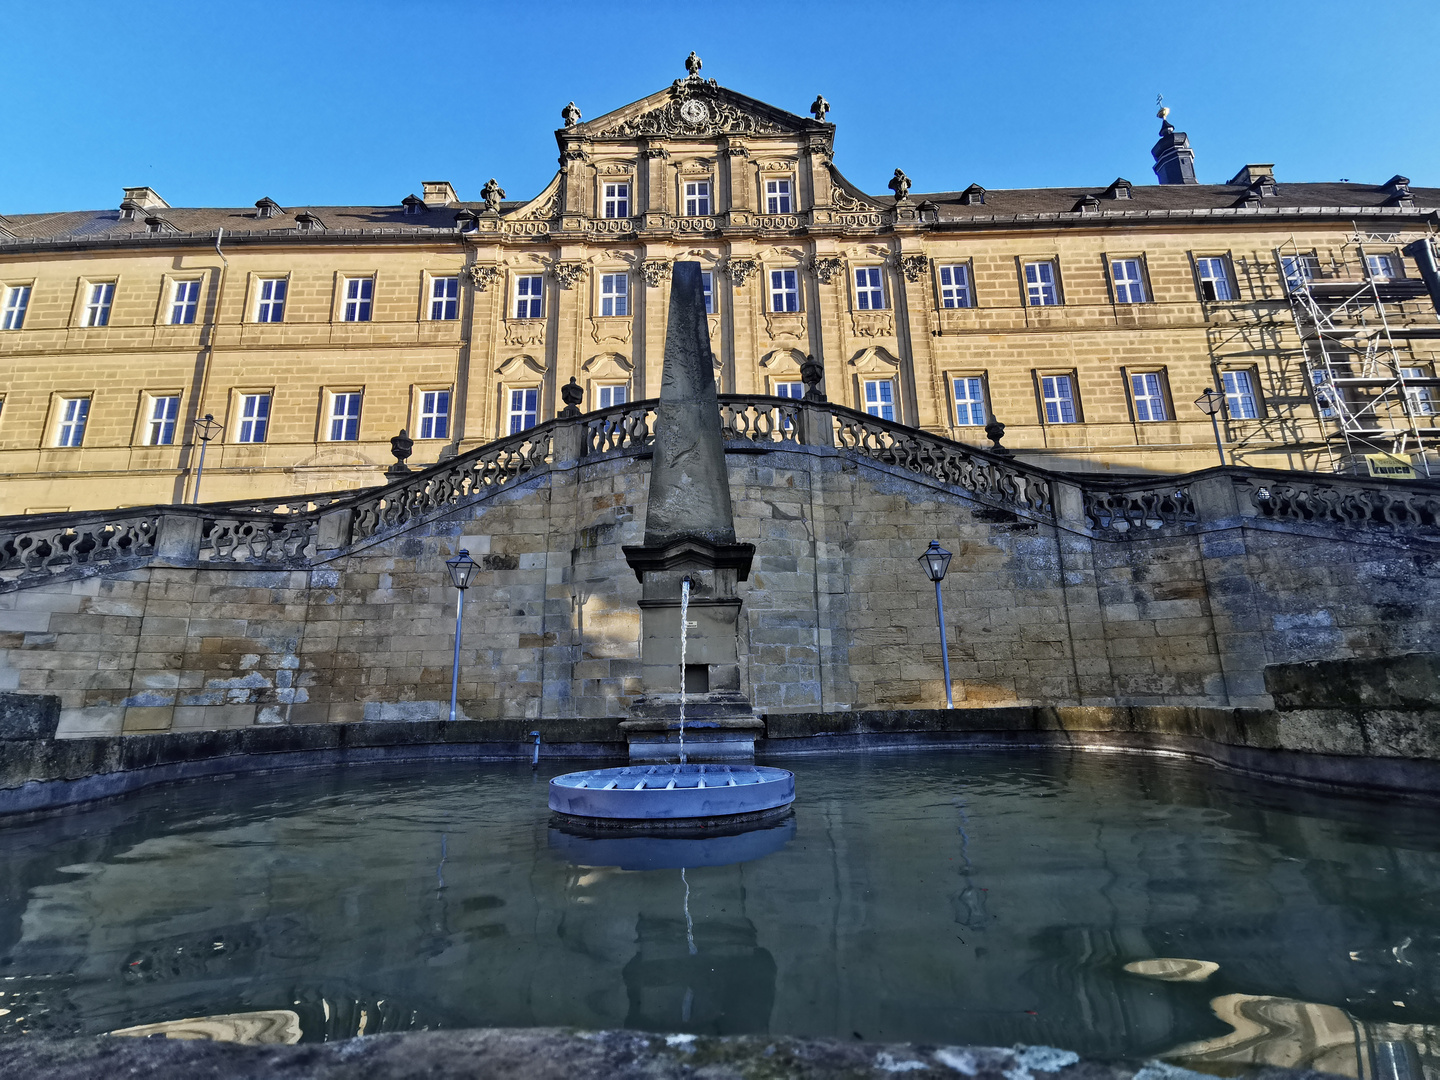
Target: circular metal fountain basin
(672, 794)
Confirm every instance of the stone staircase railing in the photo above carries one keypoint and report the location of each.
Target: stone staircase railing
(298, 531)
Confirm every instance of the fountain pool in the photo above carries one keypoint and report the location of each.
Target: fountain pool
(1110, 904)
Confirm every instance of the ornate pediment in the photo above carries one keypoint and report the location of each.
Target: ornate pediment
(695, 108)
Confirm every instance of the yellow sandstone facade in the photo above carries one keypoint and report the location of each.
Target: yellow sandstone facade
(1087, 320)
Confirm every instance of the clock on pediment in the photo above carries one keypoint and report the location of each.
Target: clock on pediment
(694, 112)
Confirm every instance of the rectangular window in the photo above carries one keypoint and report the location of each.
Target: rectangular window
(17, 299)
(523, 407)
(1040, 284)
(955, 287)
(1299, 269)
(616, 200)
(254, 418)
(969, 401)
(614, 294)
(1240, 400)
(529, 296)
(880, 398)
(163, 414)
(1214, 273)
(614, 394)
(793, 390)
(707, 283)
(784, 290)
(444, 298)
(869, 293)
(1149, 397)
(697, 198)
(1129, 284)
(777, 197)
(184, 302)
(1419, 398)
(97, 303)
(271, 305)
(1383, 267)
(74, 412)
(359, 292)
(344, 417)
(435, 414)
(1059, 394)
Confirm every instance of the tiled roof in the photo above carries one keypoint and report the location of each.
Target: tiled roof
(1173, 197)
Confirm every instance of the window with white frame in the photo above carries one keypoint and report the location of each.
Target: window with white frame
(184, 301)
(778, 196)
(1240, 400)
(1058, 393)
(792, 390)
(707, 285)
(615, 294)
(164, 414)
(784, 290)
(869, 290)
(17, 299)
(1147, 391)
(270, 300)
(523, 406)
(880, 398)
(1383, 267)
(955, 286)
(1128, 280)
(697, 198)
(98, 297)
(444, 298)
(1324, 391)
(615, 200)
(608, 394)
(529, 296)
(1419, 398)
(254, 418)
(435, 414)
(1040, 284)
(1299, 269)
(969, 393)
(359, 295)
(74, 413)
(1214, 274)
(345, 417)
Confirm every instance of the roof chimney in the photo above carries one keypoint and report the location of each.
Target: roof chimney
(1251, 175)
(438, 192)
(145, 198)
(1174, 160)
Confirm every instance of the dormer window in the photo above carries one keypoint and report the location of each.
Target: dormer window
(308, 222)
(155, 224)
(412, 205)
(1088, 205)
(1399, 188)
(268, 208)
(465, 220)
(974, 195)
(129, 209)
(615, 200)
(1120, 189)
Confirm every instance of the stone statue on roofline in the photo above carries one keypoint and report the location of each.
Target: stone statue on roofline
(819, 107)
(570, 114)
(693, 64)
(492, 193)
(900, 185)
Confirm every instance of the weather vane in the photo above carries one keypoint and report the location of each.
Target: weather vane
(1161, 111)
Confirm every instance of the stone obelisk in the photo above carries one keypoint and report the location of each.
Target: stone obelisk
(690, 533)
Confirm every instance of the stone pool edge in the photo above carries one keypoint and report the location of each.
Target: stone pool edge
(39, 772)
(553, 1053)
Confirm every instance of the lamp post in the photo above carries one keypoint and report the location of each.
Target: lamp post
(206, 428)
(1209, 404)
(462, 569)
(936, 561)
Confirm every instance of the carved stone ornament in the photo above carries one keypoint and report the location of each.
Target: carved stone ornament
(914, 267)
(826, 267)
(654, 271)
(811, 374)
(900, 185)
(492, 193)
(570, 114)
(695, 108)
(401, 447)
(525, 332)
(567, 274)
(872, 323)
(574, 153)
(693, 64)
(481, 276)
(819, 107)
(572, 393)
(739, 269)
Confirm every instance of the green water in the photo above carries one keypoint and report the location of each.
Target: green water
(946, 897)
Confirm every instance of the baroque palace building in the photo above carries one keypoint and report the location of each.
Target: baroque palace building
(1087, 320)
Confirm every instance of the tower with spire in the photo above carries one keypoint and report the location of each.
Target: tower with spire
(1174, 160)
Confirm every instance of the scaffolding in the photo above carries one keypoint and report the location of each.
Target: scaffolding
(1372, 396)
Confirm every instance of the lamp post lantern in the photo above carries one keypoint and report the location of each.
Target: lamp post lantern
(462, 570)
(936, 561)
(206, 428)
(1209, 404)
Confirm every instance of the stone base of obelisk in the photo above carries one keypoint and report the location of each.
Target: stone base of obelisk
(730, 739)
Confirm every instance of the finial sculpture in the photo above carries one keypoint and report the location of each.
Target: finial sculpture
(900, 185)
(995, 431)
(811, 372)
(570, 114)
(492, 193)
(693, 64)
(572, 393)
(401, 446)
(819, 107)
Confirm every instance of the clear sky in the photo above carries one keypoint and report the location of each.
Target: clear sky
(217, 103)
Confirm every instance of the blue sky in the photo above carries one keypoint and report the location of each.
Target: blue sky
(217, 104)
